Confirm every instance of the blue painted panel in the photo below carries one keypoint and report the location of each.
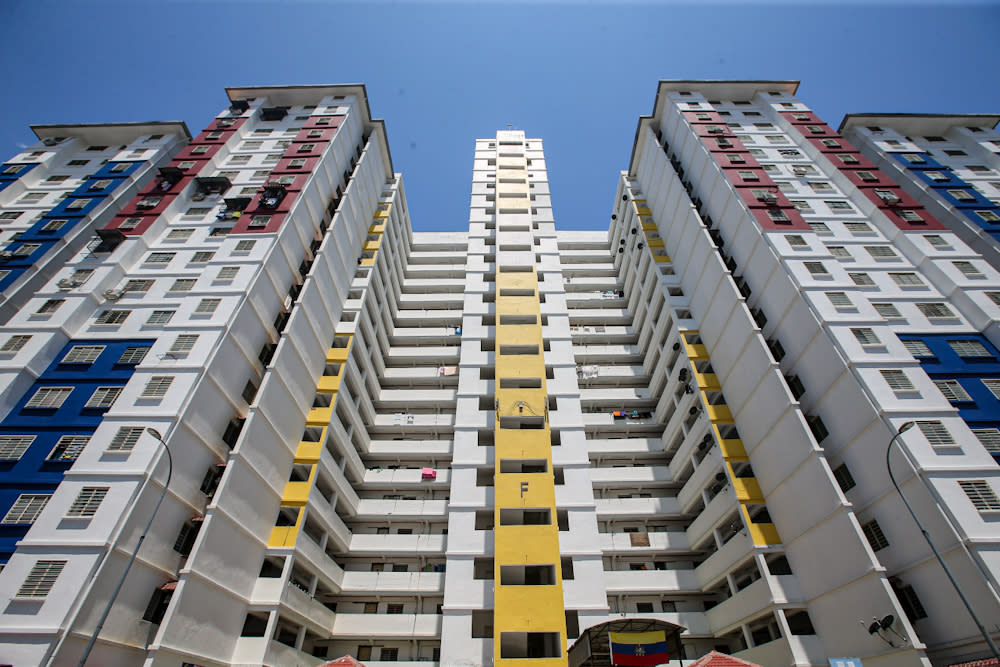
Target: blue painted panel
(8, 280)
(6, 173)
(24, 261)
(928, 163)
(108, 170)
(983, 410)
(37, 231)
(972, 215)
(952, 182)
(63, 210)
(88, 189)
(33, 472)
(979, 200)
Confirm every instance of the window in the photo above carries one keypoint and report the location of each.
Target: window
(243, 247)
(13, 446)
(112, 316)
(993, 384)
(952, 390)
(137, 286)
(160, 257)
(100, 184)
(910, 216)
(236, 159)
(749, 176)
(183, 285)
(969, 348)
(41, 579)
(227, 273)
(906, 279)
(184, 343)
(819, 186)
(126, 437)
(32, 197)
(897, 380)
(880, 251)
(180, 233)
(802, 205)
(838, 205)
(15, 343)
(259, 221)
(130, 223)
(157, 386)
(160, 317)
(207, 306)
(839, 251)
(820, 227)
(87, 501)
(994, 297)
(856, 228)
(910, 603)
(26, 509)
(874, 535)
(954, 152)
(887, 310)
(816, 268)
(133, 355)
(865, 336)
(103, 397)
(843, 477)
(26, 249)
(936, 241)
(935, 310)
(776, 138)
(68, 447)
(962, 195)
(968, 269)
(49, 397)
(990, 437)
(78, 163)
(393, 609)
(867, 176)
(847, 158)
(82, 354)
(77, 204)
(297, 163)
(862, 279)
(937, 176)
(917, 348)
(778, 216)
(936, 433)
(839, 299)
(988, 216)
(796, 241)
(979, 492)
(10, 215)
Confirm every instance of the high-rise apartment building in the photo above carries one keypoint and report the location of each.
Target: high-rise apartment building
(490, 447)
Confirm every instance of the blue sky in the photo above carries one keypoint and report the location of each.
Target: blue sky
(578, 75)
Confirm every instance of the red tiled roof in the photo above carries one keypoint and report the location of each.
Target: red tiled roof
(989, 662)
(343, 661)
(716, 659)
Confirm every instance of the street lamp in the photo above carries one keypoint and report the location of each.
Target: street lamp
(979, 624)
(107, 609)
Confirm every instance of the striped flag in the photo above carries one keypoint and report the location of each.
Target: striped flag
(639, 649)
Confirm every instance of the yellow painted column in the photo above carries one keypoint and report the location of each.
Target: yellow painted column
(528, 595)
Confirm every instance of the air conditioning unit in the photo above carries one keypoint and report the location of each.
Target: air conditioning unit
(66, 283)
(113, 294)
(198, 196)
(715, 130)
(890, 199)
(50, 141)
(768, 197)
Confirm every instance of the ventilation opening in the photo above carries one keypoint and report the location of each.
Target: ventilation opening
(527, 575)
(519, 349)
(520, 383)
(522, 422)
(530, 645)
(541, 516)
(518, 319)
(482, 568)
(523, 466)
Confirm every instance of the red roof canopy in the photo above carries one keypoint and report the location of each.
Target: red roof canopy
(343, 661)
(716, 659)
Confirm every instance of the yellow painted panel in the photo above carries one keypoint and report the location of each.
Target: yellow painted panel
(661, 259)
(732, 449)
(520, 402)
(337, 355)
(747, 489)
(649, 226)
(528, 662)
(328, 384)
(368, 262)
(696, 352)
(377, 229)
(764, 534)
(319, 416)
(707, 381)
(530, 608)
(540, 491)
(520, 365)
(525, 544)
(719, 413)
(517, 305)
(372, 245)
(283, 536)
(655, 243)
(296, 493)
(382, 214)
(524, 334)
(642, 210)
(308, 452)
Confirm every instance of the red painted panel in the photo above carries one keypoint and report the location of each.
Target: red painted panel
(723, 144)
(749, 195)
(245, 222)
(206, 137)
(822, 130)
(285, 166)
(328, 122)
(881, 180)
(145, 222)
(133, 209)
(757, 177)
(802, 117)
(316, 134)
(726, 161)
(198, 152)
(283, 207)
(905, 200)
(315, 149)
(713, 130)
(795, 220)
(695, 117)
(298, 182)
(155, 187)
(929, 222)
(831, 145)
(226, 124)
(861, 162)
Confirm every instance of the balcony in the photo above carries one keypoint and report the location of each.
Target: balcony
(624, 508)
(716, 566)
(386, 626)
(651, 581)
(625, 543)
(406, 583)
(402, 509)
(630, 476)
(378, 545)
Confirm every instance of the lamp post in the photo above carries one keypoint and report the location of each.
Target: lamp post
(923, 531)
(114, 594)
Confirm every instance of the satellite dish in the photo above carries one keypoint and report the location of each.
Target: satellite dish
(874, 627)
(887, 622)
